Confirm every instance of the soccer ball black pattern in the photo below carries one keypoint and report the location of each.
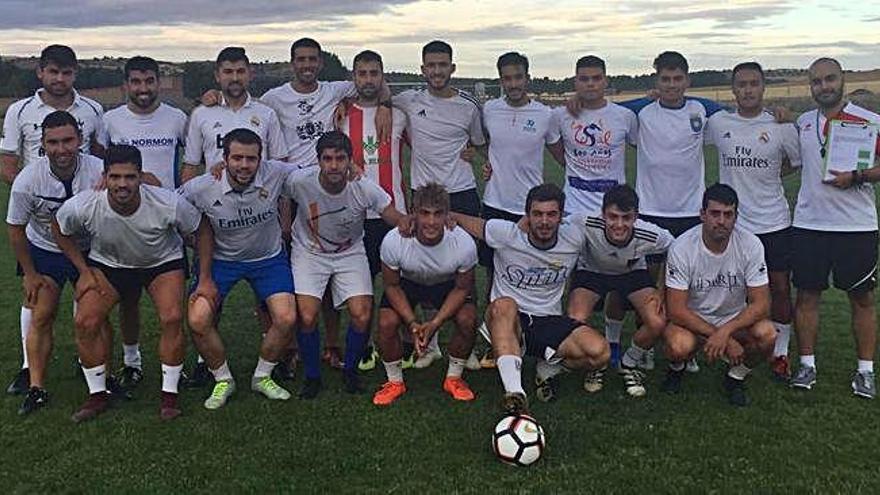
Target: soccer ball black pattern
(518, 440)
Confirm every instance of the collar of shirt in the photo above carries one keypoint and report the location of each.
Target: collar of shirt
(257, 183)
(247, 102)
(77, 99)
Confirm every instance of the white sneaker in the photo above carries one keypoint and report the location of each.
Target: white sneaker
(647, 362)
(483, 330)
(473, 362)
(221, 393)
(692, 366)
(428, 358)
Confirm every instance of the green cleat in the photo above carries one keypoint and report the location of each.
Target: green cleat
(223, 390)
(266, 386)
(368, 362)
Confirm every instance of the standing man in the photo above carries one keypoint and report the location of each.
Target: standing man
(835, 230)
(754, 151)
(135, 239)
(21, 143)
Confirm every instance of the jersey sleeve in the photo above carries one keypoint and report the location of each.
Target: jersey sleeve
(105, 131)
(194, 140)
(21, 201)
(709, 134)
(277, 145)
(663, 243)
(475, 130)
(677, 274)
(101, 134)
(469, 253)
(632, 128)
(791, 144)
(499, 233)
(636, 105)
(711, 106)
(11, 140)
(554, 129)
(377, 198)
(186, 216)
(756, 266)
(389, 251)
(342, 90)
(404, 100)
(69, 216)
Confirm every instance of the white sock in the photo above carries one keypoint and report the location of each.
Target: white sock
(434, 345)
(131, 355)
(633, 356)
(96, 379)
(456, 367)
(510, 369)
(394, 370)
(222, 373)
(808, 360)
(25, 327)
(547, 370)
(783, 335)
(866, 366)
(170, 377)
(200, 359)
(264, 368)
(613, 329)
(739, 372)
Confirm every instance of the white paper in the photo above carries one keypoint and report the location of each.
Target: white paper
(851, 146)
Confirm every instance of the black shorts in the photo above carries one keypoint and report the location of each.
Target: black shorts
(132, 280)
(53, 265)
(777, 249)
(466, 202)
(544, 334)
(431, 296)
(374, 231)
(675, 225)
(850, 257)
(601, 284)
(484, 252)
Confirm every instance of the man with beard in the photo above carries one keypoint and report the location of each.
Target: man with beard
(835, 231)
(21, 143)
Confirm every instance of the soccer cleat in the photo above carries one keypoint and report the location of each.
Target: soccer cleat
(168, 408)
(804, 377)
(408, 362)
(117, 391)
(368, 362)
(780, 369)
(200, 377)
(863, 384)
(35, 399)
(266, 385)
(515, 404)
(672, 383)
(736, 391)
(310, 388)
(390, 392)
(633, 381)
(615, 355)
(692, 366)
(546, 390)
(220, 395)
(428, 358)
(473, 362)
(128, 377)
(593, 380)
(332, 357)
(647, 362)
(21, 383)
(352, 382)
(93, 406)
(285, 370)
(458, 388)
(483, 330)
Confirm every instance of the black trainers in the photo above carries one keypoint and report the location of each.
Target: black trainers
(736, 391)
(117, 390)
(310, 388)
(283, 372)
(547, 390)
(21, 383)
(200, 376)
(129, 376)
(35, 399)
(515, 404)
(352, 382)
(672, 383)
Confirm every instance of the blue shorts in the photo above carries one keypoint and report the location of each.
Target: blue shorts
(266, 277)
(54, 265)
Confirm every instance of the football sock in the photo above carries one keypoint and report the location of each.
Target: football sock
(456, 366)
(783, 335)
(510, 369)
(545, 370)
(96, 379)
(808, 360)
(25, 326)
(222, 373)
(171, 377)
(633, 356)
(131, 355)
(355, 342)
(613, 329)
(310, 352)
(866, 366)
(264, 368)
(738, 372)
(434, 344)
(677, 366)
(394, 370)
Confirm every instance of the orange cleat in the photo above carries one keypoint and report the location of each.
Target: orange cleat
(780, 369)
(458, 388)
(389, 393)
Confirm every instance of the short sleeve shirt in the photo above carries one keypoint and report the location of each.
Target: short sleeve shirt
(429, 265)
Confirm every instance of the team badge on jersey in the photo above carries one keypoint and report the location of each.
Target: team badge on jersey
(255, 121)
(696, 122)
(263, 193)
(530, 126)
(764, 137)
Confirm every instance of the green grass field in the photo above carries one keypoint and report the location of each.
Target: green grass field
(786, 441)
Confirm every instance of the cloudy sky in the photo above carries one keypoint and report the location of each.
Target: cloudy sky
(627, 33)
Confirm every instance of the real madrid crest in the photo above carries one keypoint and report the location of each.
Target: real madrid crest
(255, 121)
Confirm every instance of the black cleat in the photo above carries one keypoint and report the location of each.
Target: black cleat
(129, 376)
(116, 390)
(547, 390)
(672, 383)
(21, 383)
(283, 372)
(35, 399)
(736, 391)
(310, 388)
(515, 404)
(200, 376)
(352, 382)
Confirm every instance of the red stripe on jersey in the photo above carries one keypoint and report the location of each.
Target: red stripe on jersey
(356, 134)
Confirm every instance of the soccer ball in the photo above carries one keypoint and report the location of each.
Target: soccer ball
(518, 440)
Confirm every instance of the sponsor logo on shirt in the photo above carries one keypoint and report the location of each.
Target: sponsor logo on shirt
(305, 107)
(246, 218)
(729, 281)
(310, 131)
(742, 158)
(530, 126)
(422, 113)
(156, 142)
(532, 277)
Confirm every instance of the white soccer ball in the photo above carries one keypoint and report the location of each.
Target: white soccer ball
(518, 440)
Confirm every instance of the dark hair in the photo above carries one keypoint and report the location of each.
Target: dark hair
(241, 136)
(621, 196)
(60, 55)
(720, 193)
(545, 192)
(437, 46)
(304, 43)
(513, 58)
(232, 54)
(143, 64)
(368, 56)
(590, 61)
(828, 60)
(60, 118)
(755, 66)
(122, 153)
(671, 60)
(336, 140)
(431, 195)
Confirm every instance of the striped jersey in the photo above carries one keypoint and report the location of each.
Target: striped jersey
(606, 258)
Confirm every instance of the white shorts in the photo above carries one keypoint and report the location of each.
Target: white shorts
(348, 275)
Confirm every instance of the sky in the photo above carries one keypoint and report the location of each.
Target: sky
(628, 34)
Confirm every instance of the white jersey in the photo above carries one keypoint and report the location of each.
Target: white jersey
(37, 194)
(595, 152)
(380, 162)
(610, 259)
(305, 117)
(245, 223)
(208, 125)
(535, 278)
(332, 224)
(429, 265)
(439, 130)
(670, 167)
(750, 156)
(158, 135)
(23, 132)
(822, 206)
(517, 136)
(717, 284)
(145, 239)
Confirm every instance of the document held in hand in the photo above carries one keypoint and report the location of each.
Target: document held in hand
(851, 146)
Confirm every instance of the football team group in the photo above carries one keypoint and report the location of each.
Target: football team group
(304, 194)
